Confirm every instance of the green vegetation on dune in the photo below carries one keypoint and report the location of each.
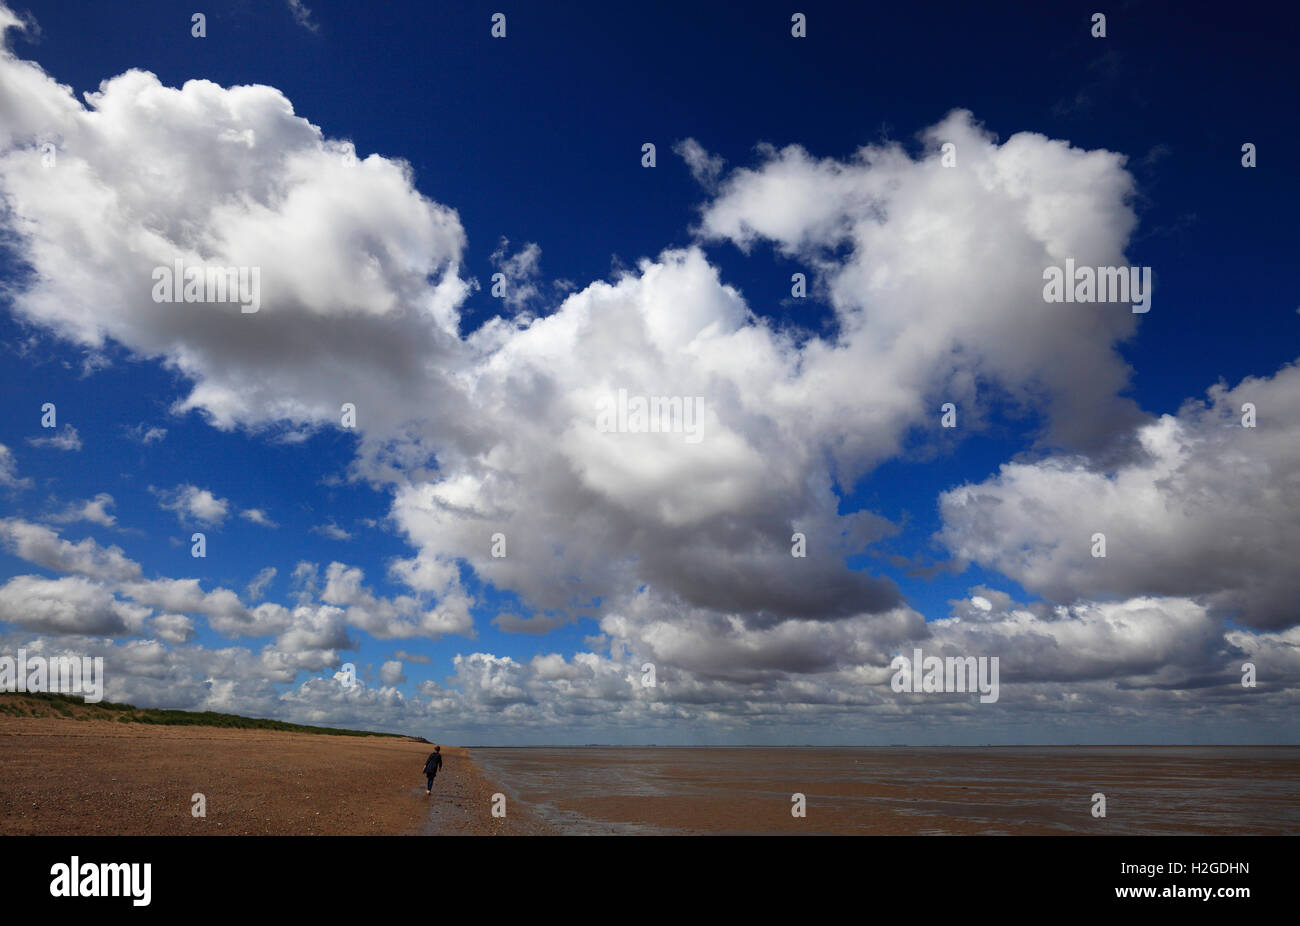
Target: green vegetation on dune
(32, 704)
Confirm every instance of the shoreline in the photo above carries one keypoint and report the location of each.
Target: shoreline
(462, 802)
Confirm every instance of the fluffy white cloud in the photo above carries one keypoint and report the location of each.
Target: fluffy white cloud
(402, 617)
(145, 434)
(332, 531)
(935, 277)
(257, 588)
(940, 295)
(308, 634)
(72, 604)
(174, 628)
(66, 438)
(1209, 509)
(1137, 639)
(192, 504)
(147, 175)
(519, 272)
(94, 510)
(709, 645)
(257, 516)
(705, 168)
(589, 513)
(44, 547)
(390, 673)
(221, 606)
(311, 642)
(302, 15)
(9, 470)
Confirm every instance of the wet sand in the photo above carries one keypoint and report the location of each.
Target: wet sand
(906, 791)
(60, 776)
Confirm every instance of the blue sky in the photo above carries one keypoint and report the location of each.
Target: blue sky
(535, 139)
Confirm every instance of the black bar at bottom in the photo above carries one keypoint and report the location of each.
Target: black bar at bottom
(649, 876)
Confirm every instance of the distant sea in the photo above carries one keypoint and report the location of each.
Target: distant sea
(1154, 790)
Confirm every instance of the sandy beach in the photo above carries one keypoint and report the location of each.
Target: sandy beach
(68, 776)
(60, 776)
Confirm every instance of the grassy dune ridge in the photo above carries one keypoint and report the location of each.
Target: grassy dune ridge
(33, 704)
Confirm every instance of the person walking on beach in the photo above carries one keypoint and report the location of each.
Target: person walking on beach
(431, 767)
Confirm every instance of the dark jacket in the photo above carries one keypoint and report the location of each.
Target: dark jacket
(435, 762)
